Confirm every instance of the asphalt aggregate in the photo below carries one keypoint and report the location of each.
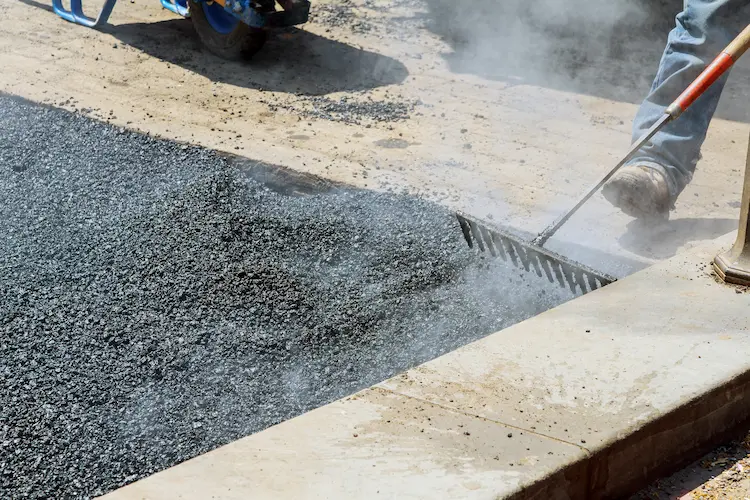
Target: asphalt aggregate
(346, 109)
(156, 302)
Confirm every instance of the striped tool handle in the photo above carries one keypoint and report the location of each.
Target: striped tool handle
(713, 72)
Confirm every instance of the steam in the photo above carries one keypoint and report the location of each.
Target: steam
(562, 44)
(608, 50)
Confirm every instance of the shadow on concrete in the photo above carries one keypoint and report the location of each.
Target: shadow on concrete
(663, 241)
(293, 60)
(604, 49)
(38, 5)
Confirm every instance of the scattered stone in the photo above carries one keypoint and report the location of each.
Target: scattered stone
(354, 111)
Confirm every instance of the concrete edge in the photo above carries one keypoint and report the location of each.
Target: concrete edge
(672, 441)
(657, 449)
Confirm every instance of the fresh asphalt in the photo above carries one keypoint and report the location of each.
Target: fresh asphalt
(156, 303)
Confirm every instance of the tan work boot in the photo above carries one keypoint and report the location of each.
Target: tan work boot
(640, 192)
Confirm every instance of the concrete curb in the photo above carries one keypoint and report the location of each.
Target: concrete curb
(671, 442)
(658, 449)
(592, 399)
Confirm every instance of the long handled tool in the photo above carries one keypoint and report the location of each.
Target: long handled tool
(556, 267)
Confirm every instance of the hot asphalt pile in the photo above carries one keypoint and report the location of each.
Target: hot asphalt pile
(155, 303)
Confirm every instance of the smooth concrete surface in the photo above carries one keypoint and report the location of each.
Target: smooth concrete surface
(374, 444)
(588, 400)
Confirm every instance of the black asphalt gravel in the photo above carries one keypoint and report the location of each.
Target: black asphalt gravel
(348, 110)
(342, 14)
(156, 303)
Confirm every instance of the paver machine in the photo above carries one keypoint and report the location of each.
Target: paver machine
(232, 29)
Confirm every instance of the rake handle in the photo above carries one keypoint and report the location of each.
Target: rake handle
(713, 72)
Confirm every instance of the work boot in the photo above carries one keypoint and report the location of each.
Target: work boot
(640, 192)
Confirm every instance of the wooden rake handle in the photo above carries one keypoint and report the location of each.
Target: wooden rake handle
(713, 72)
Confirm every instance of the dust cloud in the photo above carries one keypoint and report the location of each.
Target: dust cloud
(577, 45)
(608, 50)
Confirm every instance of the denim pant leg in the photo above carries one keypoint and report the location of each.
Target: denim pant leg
(702, 30)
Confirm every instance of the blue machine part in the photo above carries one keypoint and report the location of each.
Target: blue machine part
(179, 7)
(219, 17)
(222, 18)
(243, 11)
(76, 15)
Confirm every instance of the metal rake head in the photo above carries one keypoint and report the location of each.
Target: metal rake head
(499, 243)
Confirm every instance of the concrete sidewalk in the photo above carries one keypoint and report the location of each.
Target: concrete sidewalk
(589, 400)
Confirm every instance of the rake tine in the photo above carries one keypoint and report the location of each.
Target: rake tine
(497, 240)
(593, 285)
(547, 266)
(511, 251)
(477, 237)
(567, 273)
(521, 252)
(557, 267)
(580, 281)
(569, 280)
(535, 257)
(488, 240)
(466, 230)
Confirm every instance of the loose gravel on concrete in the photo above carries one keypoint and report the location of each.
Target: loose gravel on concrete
(156, 303)
(346, 109)
(358, 110)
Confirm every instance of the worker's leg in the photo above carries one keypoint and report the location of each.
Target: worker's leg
(702, 30)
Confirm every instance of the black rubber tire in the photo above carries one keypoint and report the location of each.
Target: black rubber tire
(241, 44)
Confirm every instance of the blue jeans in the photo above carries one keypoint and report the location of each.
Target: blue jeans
(702, 30)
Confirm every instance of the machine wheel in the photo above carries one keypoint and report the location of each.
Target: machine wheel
(224, 34)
